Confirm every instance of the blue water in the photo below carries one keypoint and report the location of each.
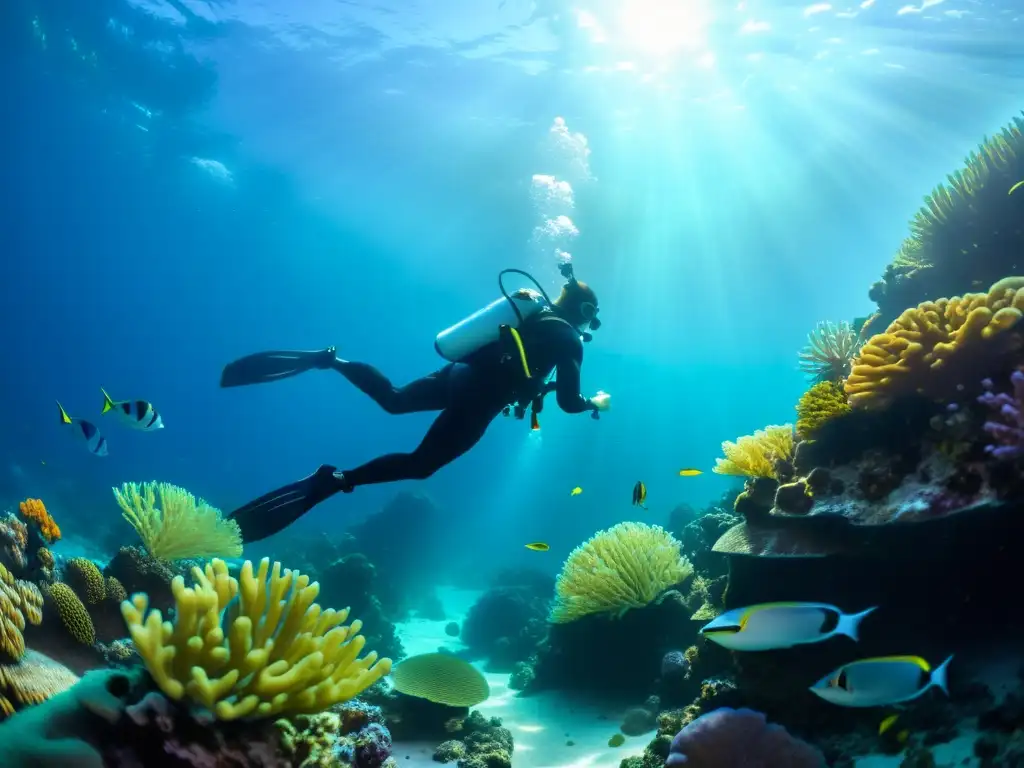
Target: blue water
(186, 182)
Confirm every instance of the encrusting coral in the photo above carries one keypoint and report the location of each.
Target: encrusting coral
(932, 349)
(181, 527)
(253, 646)
(626, 566)
(34, 511)
(821, 403)
(757, 455)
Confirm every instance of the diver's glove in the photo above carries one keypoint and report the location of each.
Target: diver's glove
(602, 401)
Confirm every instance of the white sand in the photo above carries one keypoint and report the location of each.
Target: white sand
(541, 724)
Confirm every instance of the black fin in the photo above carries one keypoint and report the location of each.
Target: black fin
(273, 512)
(263, 367)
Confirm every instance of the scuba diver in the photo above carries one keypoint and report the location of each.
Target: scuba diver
(500, 360)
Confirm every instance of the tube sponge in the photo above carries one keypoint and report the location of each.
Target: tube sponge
(933, 348)
(253, 646)
(626, 566)
(739, 738)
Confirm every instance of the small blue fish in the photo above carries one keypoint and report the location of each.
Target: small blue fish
(94, 441)
(770, 626)
(137, 414)
(881, 681)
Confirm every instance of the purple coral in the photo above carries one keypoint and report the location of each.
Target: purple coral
(1008, 431)
(373, 746)
(739, 738)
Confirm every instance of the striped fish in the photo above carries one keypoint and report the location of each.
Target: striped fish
(137, 414)
(87, 431)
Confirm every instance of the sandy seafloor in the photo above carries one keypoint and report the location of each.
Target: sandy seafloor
(542, 724)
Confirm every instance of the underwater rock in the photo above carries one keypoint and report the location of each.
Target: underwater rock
(352, 581)
(450, 751)
(793, 498)
(139, 572)
(505, 625)
(736, 738)
(522, 674)
(410, 718)
(482, 743)
(452, 629)
(638, 721)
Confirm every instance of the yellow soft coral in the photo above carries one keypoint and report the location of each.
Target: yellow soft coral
(933, 348)
(756, 455)
(626, 566)
(822, 402)
(180, 527)
(34, 511)
(253, 646)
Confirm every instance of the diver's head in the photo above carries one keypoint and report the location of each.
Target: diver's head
(577, 303)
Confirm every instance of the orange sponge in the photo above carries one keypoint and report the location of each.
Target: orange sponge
(35, 511)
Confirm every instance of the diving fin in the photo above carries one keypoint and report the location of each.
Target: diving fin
(273, 512)
(262, 367)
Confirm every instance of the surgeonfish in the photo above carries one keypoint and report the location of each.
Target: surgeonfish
(690, 472)
(639, 494)
(881, 681)
(137, 414)
(770, 626)
(576, 491)
(538, 546)
(87, 431)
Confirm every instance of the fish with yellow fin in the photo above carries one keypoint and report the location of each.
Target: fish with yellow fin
(690, 472)
(640, 495)
(137, 414)
(881, 681)
(538, 546)
(95, 442)
(576, 491)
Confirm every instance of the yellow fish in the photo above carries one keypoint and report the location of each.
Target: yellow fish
(617, 740)
(888, 723)
(1015, 187)
(639, 494)
(576, 491)
(538, 546)
(690, 472)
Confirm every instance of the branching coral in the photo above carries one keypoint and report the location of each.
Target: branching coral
(19, 601)
(830, 349)
(626, 566)
(253, 646)
(1008, 430)
(180, 527)
(821, 403)
(933, 348)
(34, 511)
(757, 455)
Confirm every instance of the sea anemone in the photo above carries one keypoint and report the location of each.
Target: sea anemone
(830, 350)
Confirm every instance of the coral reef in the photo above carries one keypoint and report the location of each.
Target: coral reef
(967, 233)
(34, 511)
(31, 680)
(506, 623)
(20, 601)
(138, 571)
(759, 454)
(181, 527)
(479, 743)
(350, 733)
(253, 646)
(1007, 428)
(626, 566)
(935, 348)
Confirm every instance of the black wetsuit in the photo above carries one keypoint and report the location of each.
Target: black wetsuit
(469, 395)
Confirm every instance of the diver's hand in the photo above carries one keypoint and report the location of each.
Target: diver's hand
(602, 401)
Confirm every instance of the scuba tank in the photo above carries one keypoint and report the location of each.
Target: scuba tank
(484, 326)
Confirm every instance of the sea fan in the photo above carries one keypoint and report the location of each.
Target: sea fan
(830, 349)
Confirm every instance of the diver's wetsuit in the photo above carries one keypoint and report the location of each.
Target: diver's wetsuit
(469, 395)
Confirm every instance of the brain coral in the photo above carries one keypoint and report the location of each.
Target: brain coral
(933, 348)
(441, 678)
(72, 612)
